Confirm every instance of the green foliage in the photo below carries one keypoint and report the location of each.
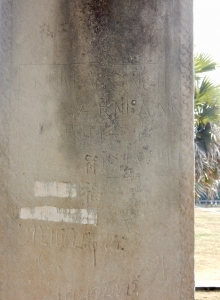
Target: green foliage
(206, 126)
(203, 63)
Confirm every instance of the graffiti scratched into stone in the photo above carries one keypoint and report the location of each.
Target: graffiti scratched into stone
(54, 214)
(55, 189)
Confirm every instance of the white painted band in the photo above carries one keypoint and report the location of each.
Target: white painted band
(55, 189)
(54, 214)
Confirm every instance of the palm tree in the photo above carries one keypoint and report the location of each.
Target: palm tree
(206, 126)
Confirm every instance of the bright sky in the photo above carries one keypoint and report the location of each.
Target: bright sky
(207, 30)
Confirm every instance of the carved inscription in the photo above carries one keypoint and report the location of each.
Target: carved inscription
(46, 235)
(119, 107)
(91, 164)
(114, 289)
(70, 237)
(89, 194)
(166, 158)
(131, 95)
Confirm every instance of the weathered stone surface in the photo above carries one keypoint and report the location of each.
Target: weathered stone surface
(96, 150)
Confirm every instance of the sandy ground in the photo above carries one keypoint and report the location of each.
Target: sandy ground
(207, 244)
(207, 249)
(207, 295)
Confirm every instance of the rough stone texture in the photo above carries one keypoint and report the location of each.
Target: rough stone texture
(96, 145)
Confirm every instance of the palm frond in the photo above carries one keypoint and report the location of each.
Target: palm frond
(204, 63)
(207, 93)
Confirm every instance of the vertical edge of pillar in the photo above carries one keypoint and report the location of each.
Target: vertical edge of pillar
(186, 185)
(5, 99)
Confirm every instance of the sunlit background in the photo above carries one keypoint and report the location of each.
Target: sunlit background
(207, 220)
(207, 31)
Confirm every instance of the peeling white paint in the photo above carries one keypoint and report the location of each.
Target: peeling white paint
(54, 214)
(55, 189)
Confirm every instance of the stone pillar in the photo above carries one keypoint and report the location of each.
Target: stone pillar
(96, 150)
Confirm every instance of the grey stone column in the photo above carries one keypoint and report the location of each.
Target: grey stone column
(96, 150)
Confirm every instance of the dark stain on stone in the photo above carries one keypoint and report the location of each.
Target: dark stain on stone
(119, 32)
(110, 32)
(118, 29)
(69, 28)
(69, 46)
(101, 11)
